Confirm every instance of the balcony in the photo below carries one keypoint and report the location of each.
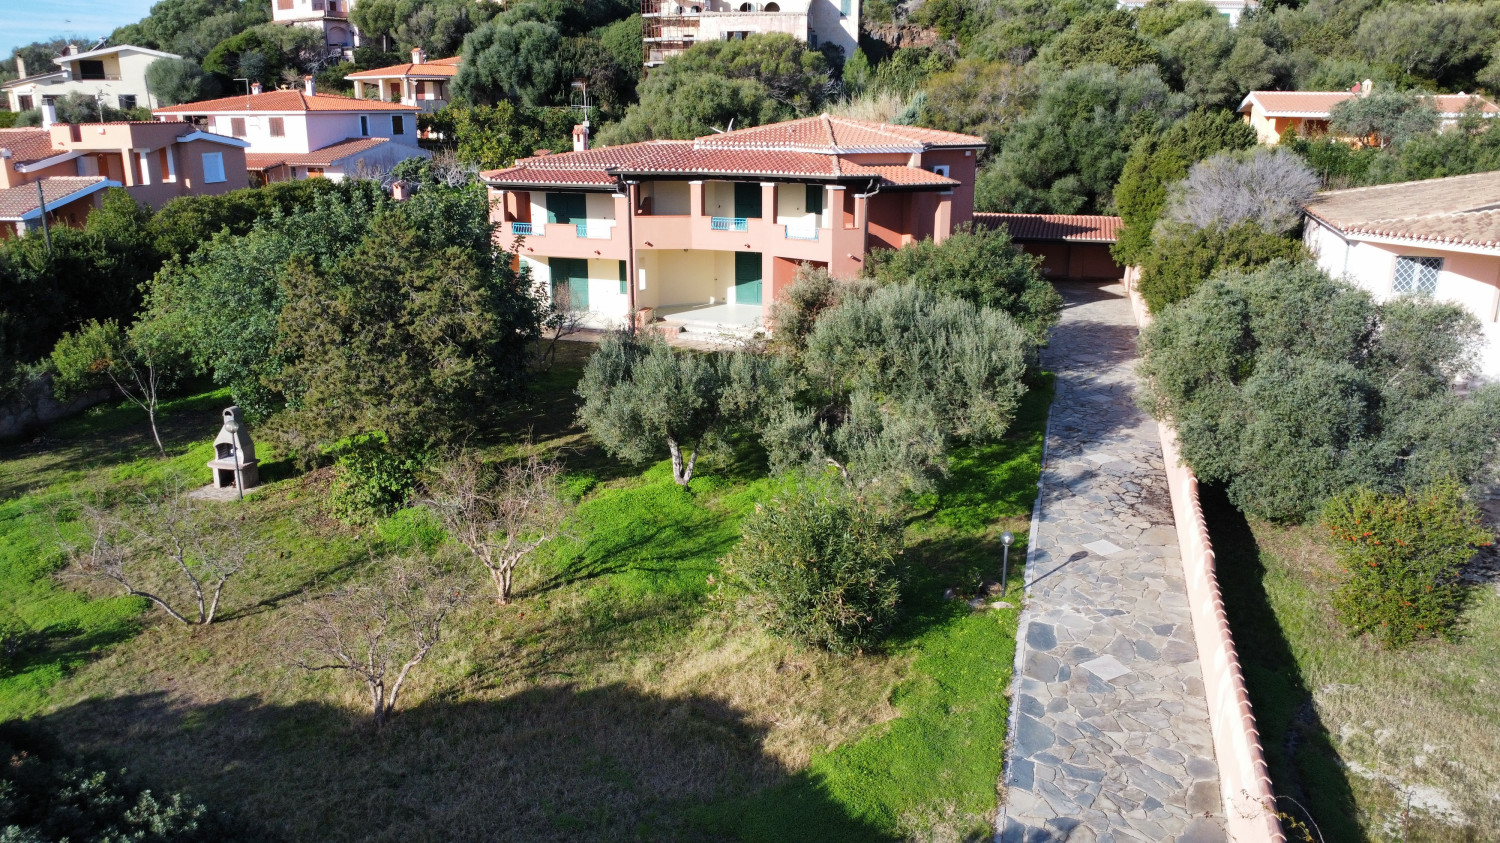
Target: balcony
(801, 232)
(526, 228)
(597, 231)
(729, 224)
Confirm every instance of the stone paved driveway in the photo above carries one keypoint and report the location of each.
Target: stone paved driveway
(1110, 735)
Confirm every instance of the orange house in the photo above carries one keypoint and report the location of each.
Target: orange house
(707, 232)
(155, 162)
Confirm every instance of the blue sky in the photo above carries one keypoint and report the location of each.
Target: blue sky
(25, 21)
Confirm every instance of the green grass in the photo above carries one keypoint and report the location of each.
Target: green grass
(1351, 730)
(622, 696)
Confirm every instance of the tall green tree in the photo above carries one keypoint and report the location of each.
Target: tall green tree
(1107, 38)
(519, 63)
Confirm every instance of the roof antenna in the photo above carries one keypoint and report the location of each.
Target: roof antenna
(724, 131)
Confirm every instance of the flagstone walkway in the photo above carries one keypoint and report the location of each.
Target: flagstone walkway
(1110, 735)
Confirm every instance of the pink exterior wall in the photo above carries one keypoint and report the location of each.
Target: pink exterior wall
(1244, 779)
(1470, 279)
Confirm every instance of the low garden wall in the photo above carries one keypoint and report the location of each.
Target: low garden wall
(1244, 780)
(32, 408)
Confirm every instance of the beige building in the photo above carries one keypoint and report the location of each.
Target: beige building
(420, 82)
(1306, 112)
(330, 17)
(117, 74)
(669, 27)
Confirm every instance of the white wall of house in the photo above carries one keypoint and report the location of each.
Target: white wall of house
(1470, 279)
(307, 131)
(608, 304)
(669, 198)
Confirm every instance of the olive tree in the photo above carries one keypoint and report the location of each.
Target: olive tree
(638, 394)
(1267, 187)
(1288, 388)
(891, 379)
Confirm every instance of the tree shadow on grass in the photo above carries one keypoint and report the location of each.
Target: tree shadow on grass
(550, 763)
(1304, 766)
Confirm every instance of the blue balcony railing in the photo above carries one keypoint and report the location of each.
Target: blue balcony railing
(795, 233)
(520, 228)
(729, 224)
(583, 229)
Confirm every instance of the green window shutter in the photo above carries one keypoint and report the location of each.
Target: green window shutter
(624, 280)
(571, 274)
(747, 200)
(815, 199)
(566, 208)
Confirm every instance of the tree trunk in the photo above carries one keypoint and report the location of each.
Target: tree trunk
(151, 415)
(676, 461)
(502, 585)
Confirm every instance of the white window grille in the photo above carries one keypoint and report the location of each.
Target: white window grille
(1417, 275)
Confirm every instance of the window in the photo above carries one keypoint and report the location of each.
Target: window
(314, 172)
(812, 40)
(237, 127)
(283, 5)
(364, 126)
(213, 167)
(278, 127)
(624, 280)
(815, 199)
(845, 7)
(773, 7)
(127, 101)
(398, 124)
(941, 169)
(88, 69)
(25, 103)
(1417, 275)
(567, 208)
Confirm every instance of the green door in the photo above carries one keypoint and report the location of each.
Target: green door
(747, 201)
(567, 208)
(747, 277)
(572, 275)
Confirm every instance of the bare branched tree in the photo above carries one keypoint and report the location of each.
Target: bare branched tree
(377, 631)
(500, 516)
(1265, 186)
(562, 320)
(165, 549)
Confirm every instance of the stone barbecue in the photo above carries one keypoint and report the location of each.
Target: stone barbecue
(234, 464)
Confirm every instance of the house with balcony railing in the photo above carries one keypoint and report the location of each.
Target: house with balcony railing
(420, 82)
(116, 76)
(669, 27)
(330, 17)
(707, 232)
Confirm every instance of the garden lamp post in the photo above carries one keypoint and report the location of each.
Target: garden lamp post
(233, 427)
(1005, 538)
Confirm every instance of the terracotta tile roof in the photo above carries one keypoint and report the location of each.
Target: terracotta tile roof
(17, 202)
(283, 101)
(828, 134)
(325, 157)
(438, 68)
(1455, 211)
(714, 156)
(1073, 228)
(28, 145)
(1318, 104)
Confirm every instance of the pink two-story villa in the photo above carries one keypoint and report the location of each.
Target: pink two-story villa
(707, 232)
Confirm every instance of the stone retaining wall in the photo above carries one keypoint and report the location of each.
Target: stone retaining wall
(32, 408)
(1244, 780)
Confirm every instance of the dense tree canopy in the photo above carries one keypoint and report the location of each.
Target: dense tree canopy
(1289, 387)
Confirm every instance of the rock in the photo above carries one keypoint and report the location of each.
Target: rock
(949, 594)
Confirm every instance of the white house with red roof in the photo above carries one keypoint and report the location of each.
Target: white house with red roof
(420, 82)
(1436, 238)
(330, 17)
(1307, 112)
(671, 27)
(300, 134)
(707, 232)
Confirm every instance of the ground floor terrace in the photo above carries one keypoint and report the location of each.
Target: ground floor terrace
(700, 289)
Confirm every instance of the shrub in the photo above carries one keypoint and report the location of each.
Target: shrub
(823, 566)
(1181, 257)
(371, 480)
(1401, 555)
(978, 265)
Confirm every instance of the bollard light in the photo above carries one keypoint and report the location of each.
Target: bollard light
(1006, 538)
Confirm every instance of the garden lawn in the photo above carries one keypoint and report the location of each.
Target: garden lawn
(1377, 745)
(623, 695)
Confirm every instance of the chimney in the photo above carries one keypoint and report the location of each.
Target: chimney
(581, 136)
(309, 85)
(255, 88)
(49, 113)
(400, 190)
(1364, 88)
(71, 49)
(20, 68)
(418, 55)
